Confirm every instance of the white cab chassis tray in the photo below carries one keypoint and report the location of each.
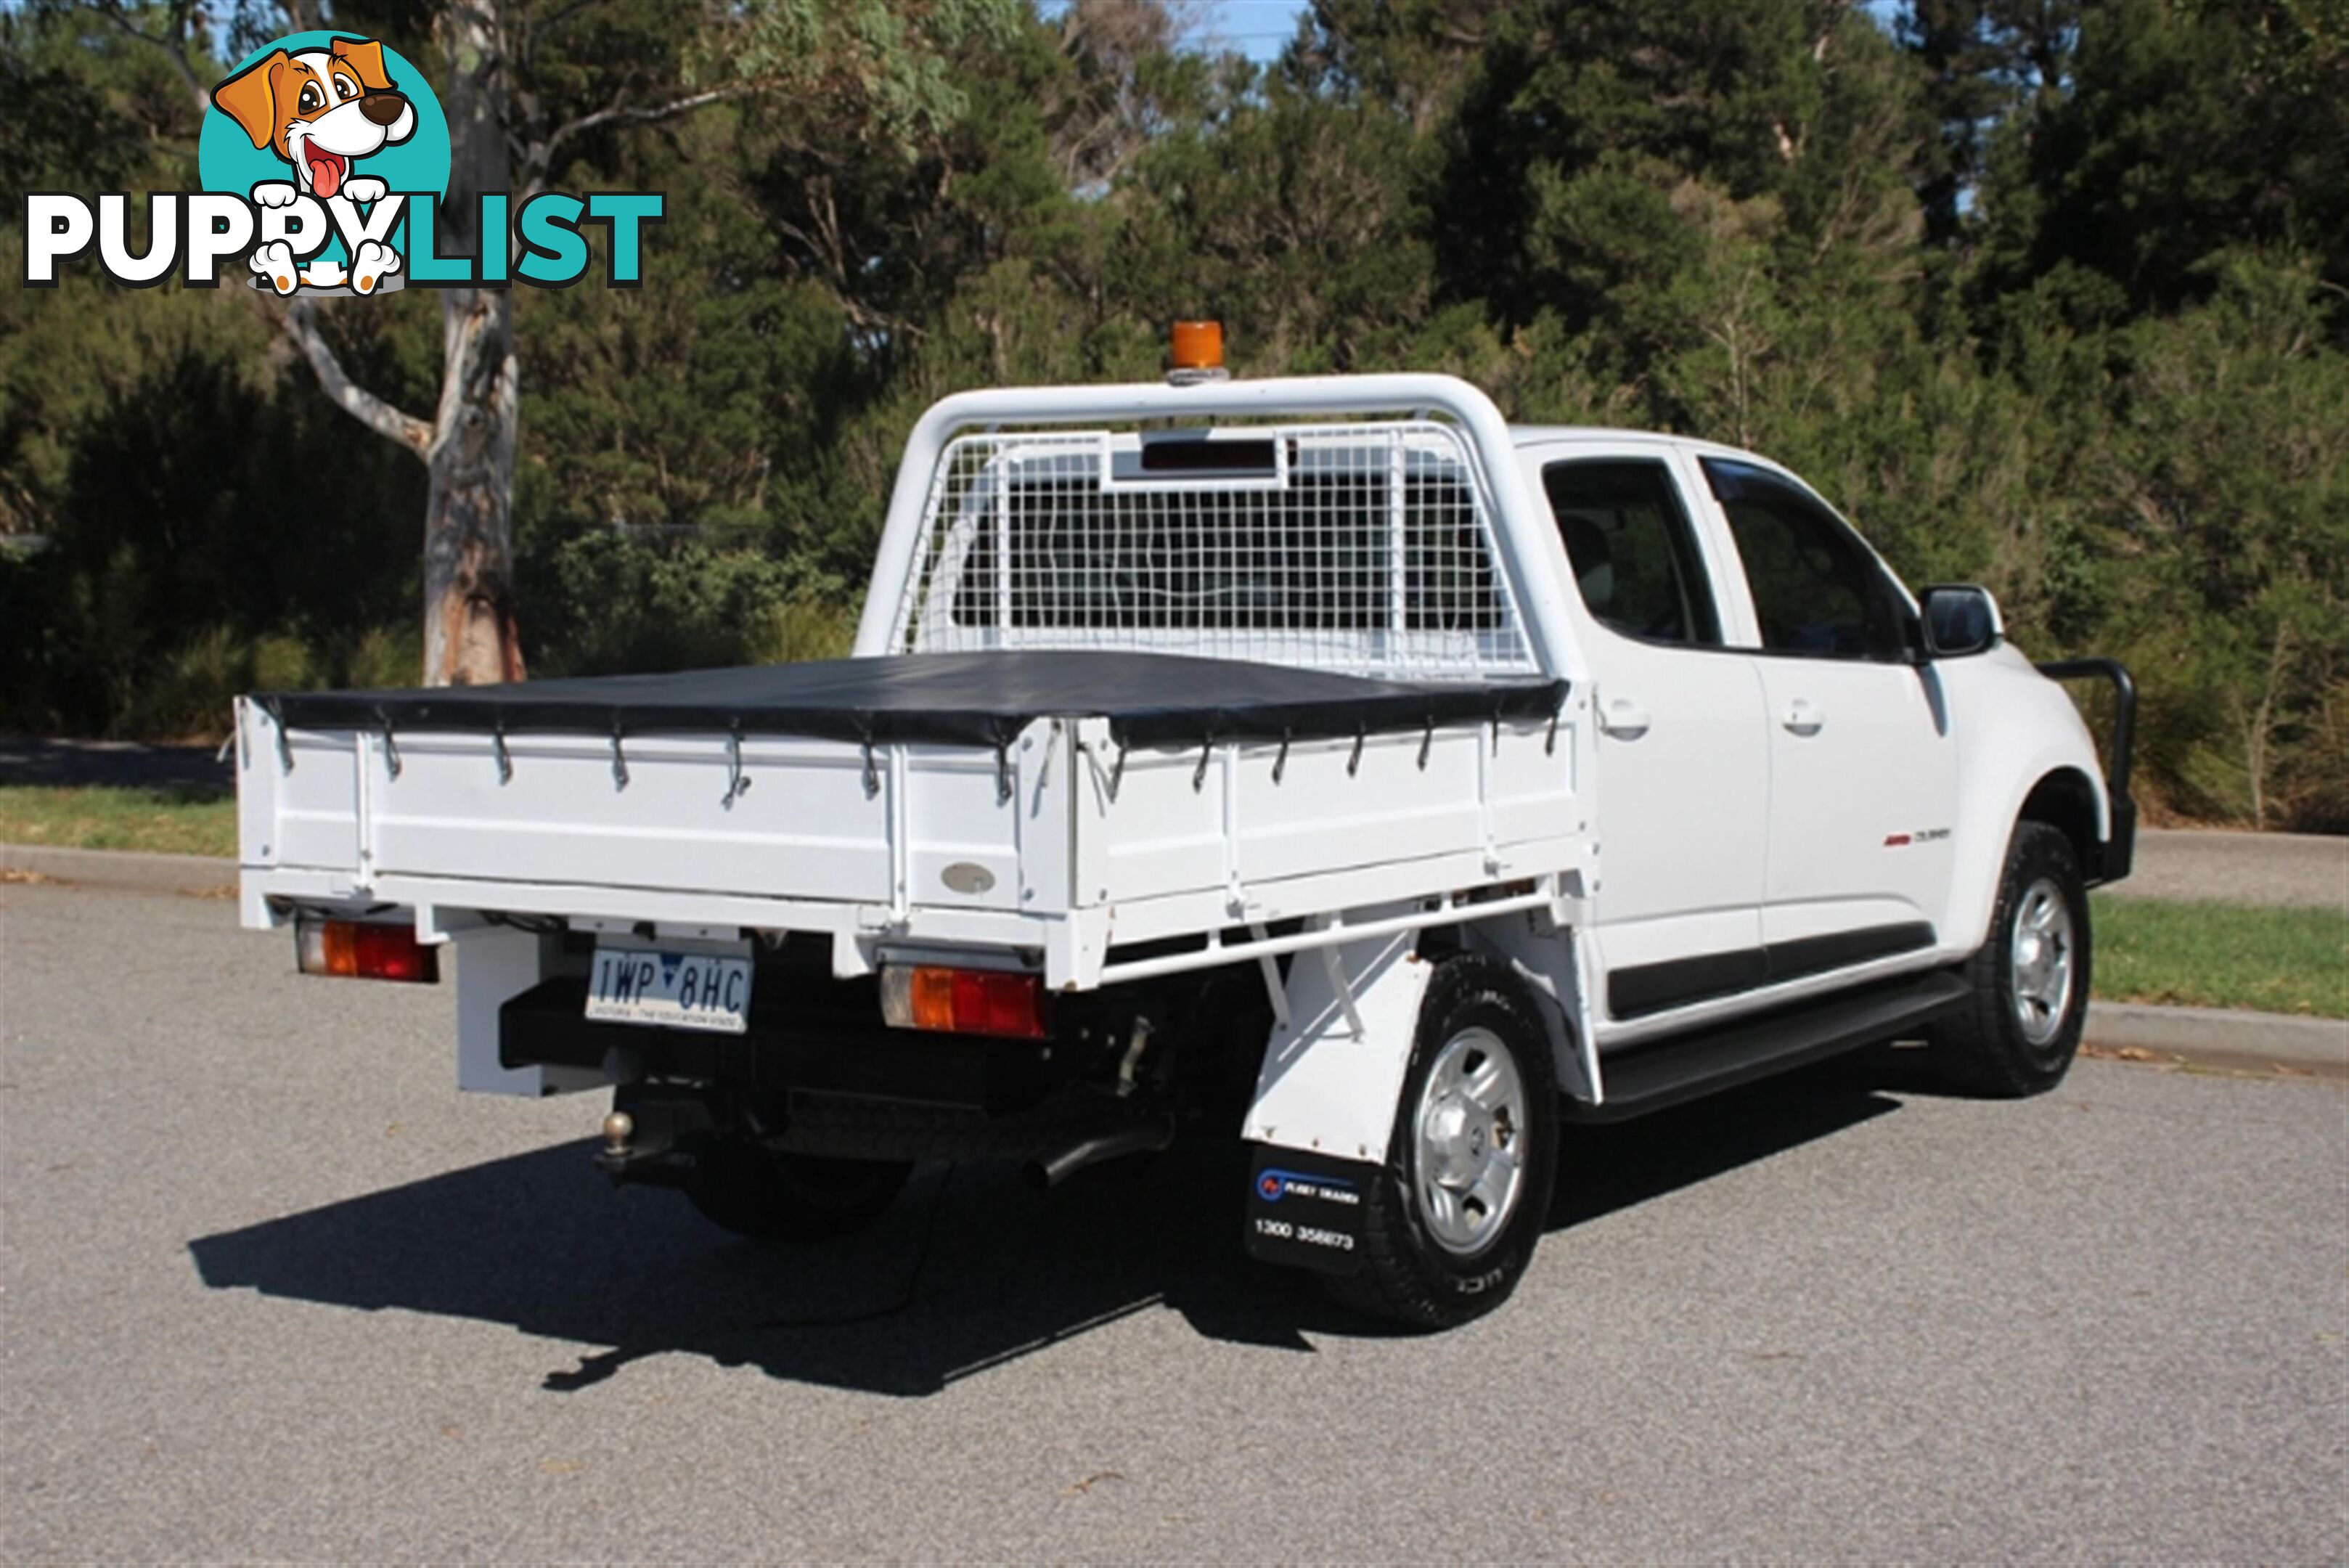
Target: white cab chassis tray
(1063, 844)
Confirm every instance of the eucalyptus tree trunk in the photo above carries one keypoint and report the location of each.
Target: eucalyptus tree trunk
(471, 637)
(469, 632)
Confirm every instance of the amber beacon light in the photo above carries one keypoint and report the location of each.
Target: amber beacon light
(1199, 353)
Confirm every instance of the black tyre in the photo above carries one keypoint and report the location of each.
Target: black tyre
(1449, 1224)
(2018, 1032)
(756, 1192)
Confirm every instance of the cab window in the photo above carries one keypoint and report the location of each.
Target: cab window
(1627, 537)
(1817, 590)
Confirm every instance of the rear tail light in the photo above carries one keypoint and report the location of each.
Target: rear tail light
(363, 949)
(963, 1001)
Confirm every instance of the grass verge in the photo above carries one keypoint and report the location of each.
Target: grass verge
(165, 821)
(2222, 955)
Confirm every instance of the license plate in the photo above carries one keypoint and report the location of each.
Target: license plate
(670, 989)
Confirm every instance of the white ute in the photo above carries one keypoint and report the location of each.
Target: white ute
(1323, 760)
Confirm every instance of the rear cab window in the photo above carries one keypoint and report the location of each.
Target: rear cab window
(1632, 553)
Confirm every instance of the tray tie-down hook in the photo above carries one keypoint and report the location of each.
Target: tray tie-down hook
(390, 745)
(1199, 773)
(1354, 762)
(738, 782)
(1280, 762)
(1550, 746)
(872, 770)
(498, 749)
(1427, 742)
(1003, 790)
(284, 745)
(1117, 770)
(619, 759)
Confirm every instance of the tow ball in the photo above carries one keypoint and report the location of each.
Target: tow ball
(654, 1137)
(618, 1129)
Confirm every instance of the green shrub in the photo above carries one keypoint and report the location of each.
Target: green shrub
(284, 664)
(806, 626)
(191, 695)
(608, 601)
(383, 657)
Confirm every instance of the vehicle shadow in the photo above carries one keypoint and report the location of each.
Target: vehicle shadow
(969, 1270)
(1609, 1165)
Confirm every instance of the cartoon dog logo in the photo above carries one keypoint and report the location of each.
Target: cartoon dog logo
(321, 110)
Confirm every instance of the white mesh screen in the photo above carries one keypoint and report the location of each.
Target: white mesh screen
(1360, 547)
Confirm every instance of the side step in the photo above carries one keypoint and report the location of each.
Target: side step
(1651, 1076)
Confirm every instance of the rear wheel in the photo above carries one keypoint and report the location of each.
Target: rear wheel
(1449, 1226)
(2019, 1031)
(752, 1190)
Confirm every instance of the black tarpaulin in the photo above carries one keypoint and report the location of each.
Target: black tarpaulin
(978, 699)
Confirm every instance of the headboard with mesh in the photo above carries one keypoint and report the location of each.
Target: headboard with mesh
(1366, 547)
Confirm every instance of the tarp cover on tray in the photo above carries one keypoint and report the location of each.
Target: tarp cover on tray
(982, 698)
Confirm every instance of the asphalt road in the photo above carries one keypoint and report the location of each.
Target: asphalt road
(270, 1288)
(2301, 870)
(198, 770)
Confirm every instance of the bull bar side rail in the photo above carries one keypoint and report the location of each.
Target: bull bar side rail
(2120, 848)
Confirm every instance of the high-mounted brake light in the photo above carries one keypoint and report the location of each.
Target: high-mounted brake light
(963, 1001)
(363, 949)
(1199, 353)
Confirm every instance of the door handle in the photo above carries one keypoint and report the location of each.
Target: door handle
(1803, 719)
(1623, 719)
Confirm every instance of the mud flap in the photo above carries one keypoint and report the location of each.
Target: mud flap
(1305, 1209)
(1331, 1071)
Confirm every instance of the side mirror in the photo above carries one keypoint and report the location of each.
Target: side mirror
(1959, 619)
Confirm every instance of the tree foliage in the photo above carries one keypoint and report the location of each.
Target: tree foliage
(2050, 295)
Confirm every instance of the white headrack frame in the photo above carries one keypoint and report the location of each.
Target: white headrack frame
(1528, 561)
(1365, 547)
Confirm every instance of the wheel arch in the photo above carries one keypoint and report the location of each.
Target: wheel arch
(1325, 1089)
(2024, 753)
(1545, 961)
(2068, 800)
(2055, 790)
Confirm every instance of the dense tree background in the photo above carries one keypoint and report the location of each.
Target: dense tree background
(2050, 294)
